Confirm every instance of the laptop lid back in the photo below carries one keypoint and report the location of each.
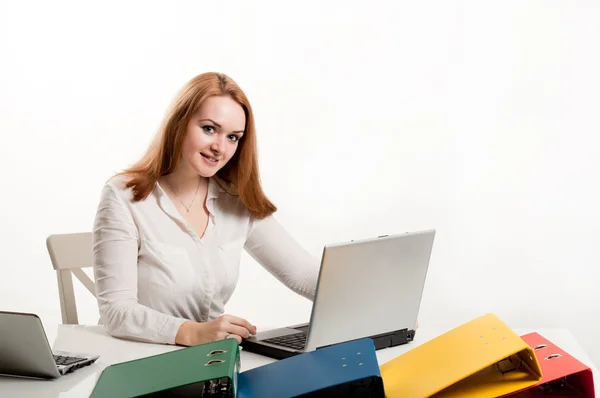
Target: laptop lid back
(24, 347)
(369, 287)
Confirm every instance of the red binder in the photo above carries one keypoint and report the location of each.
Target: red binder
(563, 376)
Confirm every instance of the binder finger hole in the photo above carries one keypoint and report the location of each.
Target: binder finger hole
(549, 357)
(213, 362)
(539, 347)
(216, 352)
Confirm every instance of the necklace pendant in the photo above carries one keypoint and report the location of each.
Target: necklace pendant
(186, 207)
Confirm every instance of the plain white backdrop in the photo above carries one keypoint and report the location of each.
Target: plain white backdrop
(479, 119)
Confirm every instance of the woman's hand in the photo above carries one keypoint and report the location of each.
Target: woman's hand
(226, 326)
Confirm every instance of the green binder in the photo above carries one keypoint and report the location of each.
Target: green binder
(207, 370)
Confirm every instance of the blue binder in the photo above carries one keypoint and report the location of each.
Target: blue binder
(343, 370)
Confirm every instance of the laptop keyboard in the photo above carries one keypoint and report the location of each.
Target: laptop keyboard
(64, 360)
(296, 341)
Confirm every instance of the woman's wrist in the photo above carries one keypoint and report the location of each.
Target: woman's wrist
(185, 333)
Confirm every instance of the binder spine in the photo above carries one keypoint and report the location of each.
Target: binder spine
(565, 384)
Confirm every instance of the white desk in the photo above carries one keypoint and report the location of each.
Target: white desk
(94, 339)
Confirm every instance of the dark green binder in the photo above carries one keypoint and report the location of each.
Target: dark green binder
(207, 370)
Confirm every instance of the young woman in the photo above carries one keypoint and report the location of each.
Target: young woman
(169, 231)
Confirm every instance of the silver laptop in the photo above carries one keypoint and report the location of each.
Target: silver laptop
(25, 352)
(366, 288)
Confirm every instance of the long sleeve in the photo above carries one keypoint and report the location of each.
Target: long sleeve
(115, 254)
(279, 253)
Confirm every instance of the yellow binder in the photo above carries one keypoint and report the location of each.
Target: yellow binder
(481, 358)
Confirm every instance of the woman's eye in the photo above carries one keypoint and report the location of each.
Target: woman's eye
(208, 129)
(234, 138)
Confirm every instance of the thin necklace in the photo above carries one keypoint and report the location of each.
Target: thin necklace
(187, 208)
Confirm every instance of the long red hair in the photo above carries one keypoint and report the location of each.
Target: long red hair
(162, 156)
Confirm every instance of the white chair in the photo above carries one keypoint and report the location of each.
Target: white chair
(70, 253)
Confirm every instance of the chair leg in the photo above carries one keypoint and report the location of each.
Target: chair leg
(66, 294)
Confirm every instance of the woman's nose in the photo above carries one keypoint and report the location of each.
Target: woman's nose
(218, 143)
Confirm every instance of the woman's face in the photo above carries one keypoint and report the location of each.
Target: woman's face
(213, 134)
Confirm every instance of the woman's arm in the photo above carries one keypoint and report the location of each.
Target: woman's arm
(277, 251)
(115, 254)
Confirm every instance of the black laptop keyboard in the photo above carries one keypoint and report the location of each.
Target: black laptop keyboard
(296, 341)
(63, 360)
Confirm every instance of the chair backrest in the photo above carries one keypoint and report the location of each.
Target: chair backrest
(70, 253)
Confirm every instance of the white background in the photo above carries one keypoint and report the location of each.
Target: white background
(478, 119)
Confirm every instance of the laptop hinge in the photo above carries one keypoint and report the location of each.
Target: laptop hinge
(391, 339)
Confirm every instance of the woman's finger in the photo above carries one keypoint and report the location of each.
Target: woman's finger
(233, 336)
(234, 329)
(242, 322)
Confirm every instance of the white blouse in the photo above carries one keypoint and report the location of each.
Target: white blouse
(153, 272)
